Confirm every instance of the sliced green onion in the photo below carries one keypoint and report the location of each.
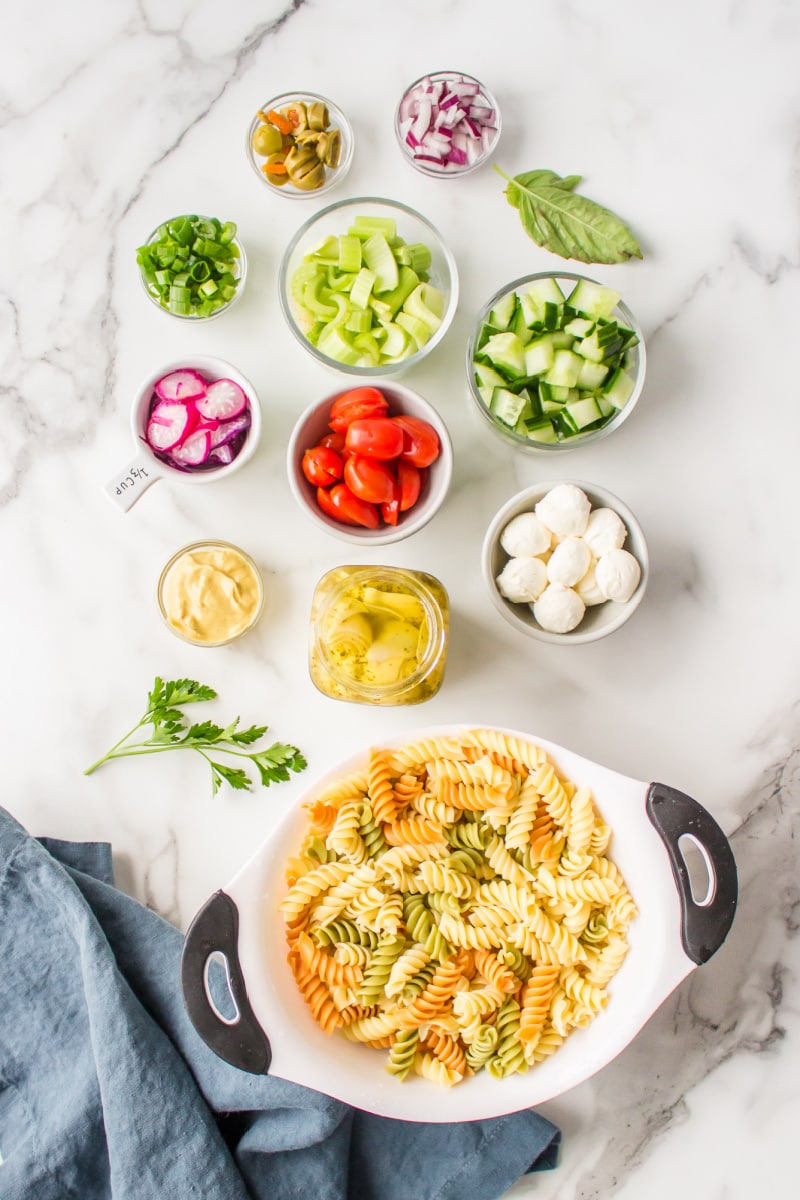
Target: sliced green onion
(191, 265)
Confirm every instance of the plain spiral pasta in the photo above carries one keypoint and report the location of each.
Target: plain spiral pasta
(453, 907)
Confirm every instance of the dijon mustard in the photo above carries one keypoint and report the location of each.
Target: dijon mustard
(210, 593)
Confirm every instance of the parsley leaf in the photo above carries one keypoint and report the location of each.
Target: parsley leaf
(169, 731)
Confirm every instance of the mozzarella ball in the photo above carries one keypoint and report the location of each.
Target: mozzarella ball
(558, 609)
(525, 536)
(617, 575)
(522, 580)
(587, 588)
(564, 510)
(569, 562)
(605, 531)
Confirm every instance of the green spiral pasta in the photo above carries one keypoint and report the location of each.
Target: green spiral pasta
(402, 1052)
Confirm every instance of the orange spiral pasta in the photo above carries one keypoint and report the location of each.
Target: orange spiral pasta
(453, 906)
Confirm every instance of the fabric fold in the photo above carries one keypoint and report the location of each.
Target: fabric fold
(107, 1091)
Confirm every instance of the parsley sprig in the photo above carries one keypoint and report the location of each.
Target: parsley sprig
(171, 731)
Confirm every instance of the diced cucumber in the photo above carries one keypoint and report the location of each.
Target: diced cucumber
(543, 432)
(619, 388)
(591, 375)
(551, 368)
(538, 295)
(507, 406)
(583, 412)
(505, 350)
(565, 369)
(593, 300)
(539, 356)
(487, 376)
(579, 327)
(502, 313)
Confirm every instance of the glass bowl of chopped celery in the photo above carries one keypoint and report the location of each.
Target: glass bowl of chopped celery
(368, 287)
(193, 267)
(447, 124)
(555, 360)
(300, 145)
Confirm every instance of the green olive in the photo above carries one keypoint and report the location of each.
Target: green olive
(333, 148)
(318, 115)
(266, 140)
(306, 171)
(276, 180)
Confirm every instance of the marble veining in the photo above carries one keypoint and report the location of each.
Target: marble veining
(682, 119)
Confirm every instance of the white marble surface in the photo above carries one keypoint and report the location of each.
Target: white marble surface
(683, 118)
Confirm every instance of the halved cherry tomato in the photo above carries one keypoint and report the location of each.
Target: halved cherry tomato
(390, 511)
(420, 440)
(376, 437)
(369, 479)
(321, 465)
(340, 503)
(356, 404)
(410, 479)
(334, 441)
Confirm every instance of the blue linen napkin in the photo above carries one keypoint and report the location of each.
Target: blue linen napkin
(107, 1091)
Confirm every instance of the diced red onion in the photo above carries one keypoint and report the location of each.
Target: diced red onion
(447, 123)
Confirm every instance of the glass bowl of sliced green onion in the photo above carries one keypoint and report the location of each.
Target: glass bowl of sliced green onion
(555, 360)
(368, 287)
(193, 267)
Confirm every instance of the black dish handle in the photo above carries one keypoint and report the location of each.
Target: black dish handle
(240, 1042)
(704, 925)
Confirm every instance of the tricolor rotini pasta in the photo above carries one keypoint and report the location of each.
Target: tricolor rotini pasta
(453, 906)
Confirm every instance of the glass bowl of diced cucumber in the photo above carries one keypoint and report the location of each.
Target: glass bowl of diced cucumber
(555, 360)
(368, 287)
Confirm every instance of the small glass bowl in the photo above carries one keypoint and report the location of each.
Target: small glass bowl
(337, 120)
(334, 221)
(240, 274)
(636, 368)
(341, 587)
(446, 171)
(206, 600)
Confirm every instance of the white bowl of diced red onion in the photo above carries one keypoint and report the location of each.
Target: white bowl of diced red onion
(447, 124)
(198, 417)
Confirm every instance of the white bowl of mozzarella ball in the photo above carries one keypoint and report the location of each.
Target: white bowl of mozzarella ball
(565, 562)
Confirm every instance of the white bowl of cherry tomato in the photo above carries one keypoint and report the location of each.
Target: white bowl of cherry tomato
(370, 464)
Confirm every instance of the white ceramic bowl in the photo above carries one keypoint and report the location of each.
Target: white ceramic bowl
(313, 425)
(147, 467)
(334, 221)
(636, 355)
(333, 175)
(599, 619)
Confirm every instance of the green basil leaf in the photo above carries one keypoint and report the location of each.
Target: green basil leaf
(567, 224)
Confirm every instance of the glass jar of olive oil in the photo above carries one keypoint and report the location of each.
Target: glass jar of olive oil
(378, 635)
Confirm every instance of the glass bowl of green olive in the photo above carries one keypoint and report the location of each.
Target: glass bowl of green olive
(300, 144)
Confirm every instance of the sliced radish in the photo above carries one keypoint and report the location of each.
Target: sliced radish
(222, 400)
(193, 451)
(170, 422)
(181, 385)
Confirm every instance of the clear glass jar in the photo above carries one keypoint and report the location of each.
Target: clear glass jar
(378, 635)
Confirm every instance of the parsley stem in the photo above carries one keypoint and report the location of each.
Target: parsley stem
(110, 753)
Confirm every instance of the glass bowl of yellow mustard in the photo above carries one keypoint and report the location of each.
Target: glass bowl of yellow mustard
(378, 635)
(210, 593)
